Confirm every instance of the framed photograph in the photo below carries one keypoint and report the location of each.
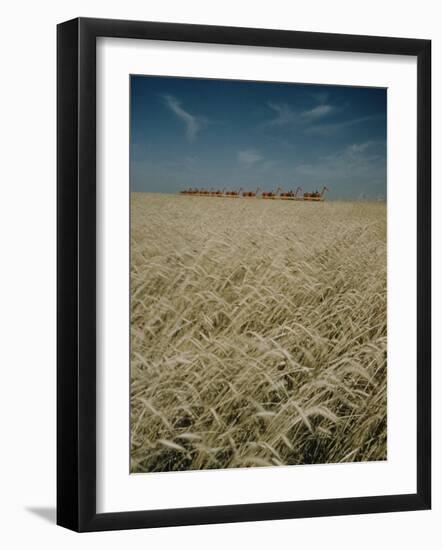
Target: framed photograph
(243, 274)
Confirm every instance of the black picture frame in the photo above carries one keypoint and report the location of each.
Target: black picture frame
(77, 287)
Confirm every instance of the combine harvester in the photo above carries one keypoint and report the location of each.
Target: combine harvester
(233, 194)
(316, 196)
(270, 194)
(290, 195)
(251, 194)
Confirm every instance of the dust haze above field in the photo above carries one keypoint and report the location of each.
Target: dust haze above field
(188, 132)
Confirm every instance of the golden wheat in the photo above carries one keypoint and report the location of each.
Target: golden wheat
(258, 332)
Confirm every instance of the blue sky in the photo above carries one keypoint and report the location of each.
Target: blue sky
(188, 132)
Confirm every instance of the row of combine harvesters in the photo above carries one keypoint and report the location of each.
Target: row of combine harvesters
(278, 194)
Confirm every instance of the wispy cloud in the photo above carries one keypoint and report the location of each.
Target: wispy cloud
(318, 112)
(193, 123)
(334, 127)
(283, 114)
(356, 148)
(249, 156)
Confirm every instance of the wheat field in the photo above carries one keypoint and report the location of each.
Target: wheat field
(258, 332)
